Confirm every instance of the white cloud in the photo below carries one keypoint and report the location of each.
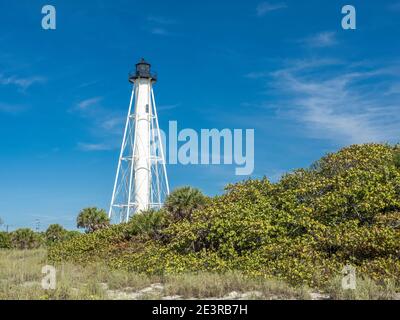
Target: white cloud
(158, 25)
(112, 124)
(295, 65)
(160, 31)
(23, 83)
(167, 107)
(264, 7)
(394, 89)
(105, 125)
(85, 104)
(256, 75)
(94, 146)
(161, 20)
(342, 103)
(12, 108)
(395, 6)
(322, 39)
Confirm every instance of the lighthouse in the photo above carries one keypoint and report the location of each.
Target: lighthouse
(141, 181)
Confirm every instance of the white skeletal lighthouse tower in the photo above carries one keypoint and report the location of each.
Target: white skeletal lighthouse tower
(141, 182)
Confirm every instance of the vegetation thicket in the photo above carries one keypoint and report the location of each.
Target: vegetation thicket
(344, 209)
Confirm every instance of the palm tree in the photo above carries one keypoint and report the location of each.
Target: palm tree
(182, 202)
(55, 233)
(25, 239)
(92, 219)
(149, 222)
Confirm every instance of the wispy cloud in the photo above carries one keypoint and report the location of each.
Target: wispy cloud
(342, 103)
(394, 90)
(88, 84)
(113, 124)
(161, 20)
(160, 25)
(23, 83)
(256, 75)
(104, 124)
(264, 7)
(295, 65)
(94, 146)
(395, 6)
(167, 107)
(160, 31)
(84, 104)
(319, 40)
(12, 109)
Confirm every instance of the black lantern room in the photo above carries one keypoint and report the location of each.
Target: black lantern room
(142, 71)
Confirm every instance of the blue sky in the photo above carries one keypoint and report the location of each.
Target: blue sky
(285, 68)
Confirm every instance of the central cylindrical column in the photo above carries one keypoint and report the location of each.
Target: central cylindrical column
(142, 161)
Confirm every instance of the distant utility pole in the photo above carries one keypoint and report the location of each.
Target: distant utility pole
(37, 223)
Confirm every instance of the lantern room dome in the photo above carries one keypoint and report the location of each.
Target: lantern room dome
(143, 71)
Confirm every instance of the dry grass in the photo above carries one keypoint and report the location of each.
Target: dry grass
(366, 289)
(20, 279)
(211, 285)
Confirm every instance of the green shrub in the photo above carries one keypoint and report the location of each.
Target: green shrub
(302, 229)
(5, 240)
(396, 156)
(26, 239)
(86, 248)
(71, 234)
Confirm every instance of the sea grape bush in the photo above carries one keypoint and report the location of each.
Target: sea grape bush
(344, 209)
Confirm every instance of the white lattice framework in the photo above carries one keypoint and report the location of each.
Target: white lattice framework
(141, 182)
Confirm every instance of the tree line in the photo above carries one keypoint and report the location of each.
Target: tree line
(89, 219)
(180, 204)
